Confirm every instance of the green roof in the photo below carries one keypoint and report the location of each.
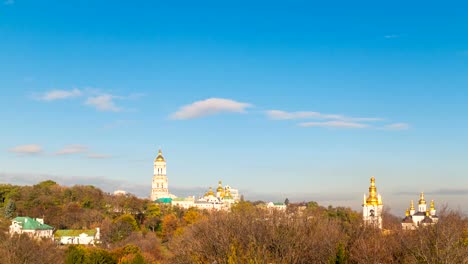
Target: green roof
(278, 203)
(74, 233)
(29, 223)
(163, 200)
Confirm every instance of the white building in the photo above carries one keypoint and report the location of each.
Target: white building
(221, 200)
(120, 192)
(78, 237)
(160, 186)
(372, 207)
(276, 206)
(422, 217)
(33, 227)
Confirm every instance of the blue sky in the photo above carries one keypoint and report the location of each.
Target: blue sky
(301, 100)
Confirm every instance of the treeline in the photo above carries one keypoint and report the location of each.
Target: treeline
(138, 231)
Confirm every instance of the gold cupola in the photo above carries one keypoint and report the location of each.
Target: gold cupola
(210, 192)
(432, 206)
(160, 156)
(421, 199)
(373, 198)
(412, 205)
(407, 213)
(220, 187)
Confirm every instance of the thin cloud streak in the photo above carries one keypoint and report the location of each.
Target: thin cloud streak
(396, 126)
(283, 115)
(54, 95)
(72, 149)
(27, 149)
(334, 124)
(208, 107)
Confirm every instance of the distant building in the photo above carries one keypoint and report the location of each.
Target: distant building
(120, 192)
(221, 200)
(78, 237)
(33, 227)
(160, 185)
(422, 217)
(372, 207)
(276, 206)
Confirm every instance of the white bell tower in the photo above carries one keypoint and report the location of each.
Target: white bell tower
(160, 187)
(372, 207)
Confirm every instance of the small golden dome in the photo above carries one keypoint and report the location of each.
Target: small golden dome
(210, 192)
(407, 213)
(412, 205)
(220, 187)
(432, 205)
(421, 199)
(160, 156)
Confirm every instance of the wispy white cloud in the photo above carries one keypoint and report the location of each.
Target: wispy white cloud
(393, 36)
(209, 107)
(396, 126)
(104, 102)
(27, 149)
(72, 149)
(334, 124)
(98, 156)
(283, 115)
(60, 94)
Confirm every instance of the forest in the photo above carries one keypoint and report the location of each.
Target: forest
(135, 230)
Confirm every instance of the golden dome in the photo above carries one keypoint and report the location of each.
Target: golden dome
(412, 205)
(421, 199)
(160, 156)
(210, 192)
(220, 187)
(407, 213)
(432, 206)
(372, 199)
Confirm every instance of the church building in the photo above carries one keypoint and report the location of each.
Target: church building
(372, 207)
(422, 217)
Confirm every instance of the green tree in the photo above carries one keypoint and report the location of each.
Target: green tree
(10, 209)
(153, 210)
(75, 255)
(286, 201)
(128, 218)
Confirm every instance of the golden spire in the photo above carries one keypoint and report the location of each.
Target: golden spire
(427, 213)
(372, 199)
(421, 199)
(432, 206)
(160, 156)
(407, 213)
(412, 205)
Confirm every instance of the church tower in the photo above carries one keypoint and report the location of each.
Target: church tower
(372, 207)
(159, 186)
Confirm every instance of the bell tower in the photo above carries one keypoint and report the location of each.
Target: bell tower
(372, 207)
(160, 187)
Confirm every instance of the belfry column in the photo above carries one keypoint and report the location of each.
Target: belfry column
(160, 188)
